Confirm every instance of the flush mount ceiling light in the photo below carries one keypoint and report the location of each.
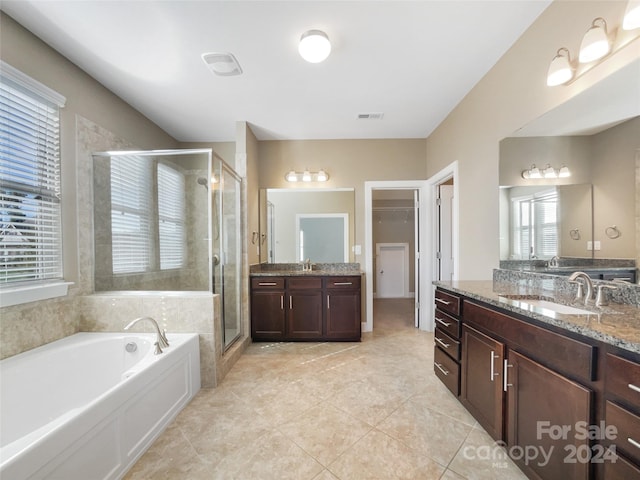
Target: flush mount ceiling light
(306, 176)
(314, 46)
(595, 43)
(632, 15)
(222, 64)
(560, 69)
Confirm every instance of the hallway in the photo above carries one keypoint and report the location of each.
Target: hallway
(327, 411)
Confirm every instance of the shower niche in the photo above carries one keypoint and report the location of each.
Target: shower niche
(170, 221)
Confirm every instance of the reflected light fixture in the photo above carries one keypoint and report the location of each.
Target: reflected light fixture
(307, 176)
(632, 16)
(595, 43)
(560, 69)
(564, 172)
(314, 46)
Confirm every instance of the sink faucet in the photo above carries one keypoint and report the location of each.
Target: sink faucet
(554, 262)
(306, 265)
(587, 281)
(161, 337)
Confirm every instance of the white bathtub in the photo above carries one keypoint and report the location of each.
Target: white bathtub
(84, 408)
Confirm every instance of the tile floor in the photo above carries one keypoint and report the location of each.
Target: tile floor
(327, 411)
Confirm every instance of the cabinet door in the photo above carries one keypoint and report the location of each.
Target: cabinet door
(540, 403)
(481, 380)
(267, 315)
(343, 315)
(304, 314)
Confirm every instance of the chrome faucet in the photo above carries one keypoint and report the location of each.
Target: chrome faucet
(588, 283)
(554, 262)
(161, 337)
(306, 265)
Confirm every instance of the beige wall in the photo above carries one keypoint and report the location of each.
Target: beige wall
(512, 94)
(349, 163)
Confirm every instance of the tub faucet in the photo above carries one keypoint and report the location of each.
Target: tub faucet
(588, 283)
(161, 337)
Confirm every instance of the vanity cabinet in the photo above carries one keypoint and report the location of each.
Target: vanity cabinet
(446, 355)
(306, 308)
(481, 379)
(622, 410)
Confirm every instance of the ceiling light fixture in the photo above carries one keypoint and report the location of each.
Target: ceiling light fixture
(307, 176)
(222, 64)
(632, 16)
(595, 43)
(560, 69)
(314, 46)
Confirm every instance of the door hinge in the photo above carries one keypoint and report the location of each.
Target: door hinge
(438, 255)
(438, 201)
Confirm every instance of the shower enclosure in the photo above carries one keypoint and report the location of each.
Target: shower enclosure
(170, 220)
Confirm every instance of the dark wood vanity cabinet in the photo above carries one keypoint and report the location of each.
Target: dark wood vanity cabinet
(523, 382)
(311, 308)
(446, 355)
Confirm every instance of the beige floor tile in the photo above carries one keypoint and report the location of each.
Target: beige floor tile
(451, 475)
(426, 431)
(378, 456)
(326, 475)
(440, 399)
(270, 457)
(480, 458)
(325, 432)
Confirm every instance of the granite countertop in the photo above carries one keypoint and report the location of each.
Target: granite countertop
(615, 324)
(295, 270)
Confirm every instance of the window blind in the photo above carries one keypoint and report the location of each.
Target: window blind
(30, 217)
(130, 211)
(536, 226)
(171, 208)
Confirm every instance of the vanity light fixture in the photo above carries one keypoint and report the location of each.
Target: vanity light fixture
(314, 46)
(549, 172)
(560, 69)
(307, 176)
(632, 16)
(532, 173)
(595, 43)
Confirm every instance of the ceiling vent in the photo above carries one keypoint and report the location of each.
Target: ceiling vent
(223, 64)
(370, 116)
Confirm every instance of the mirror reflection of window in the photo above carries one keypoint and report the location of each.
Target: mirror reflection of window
(535, 220)
(323, 238)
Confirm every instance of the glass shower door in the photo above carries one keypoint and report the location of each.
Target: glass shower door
(230, 255)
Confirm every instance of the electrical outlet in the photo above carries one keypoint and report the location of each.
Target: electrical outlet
(589, 245)
(596, 245)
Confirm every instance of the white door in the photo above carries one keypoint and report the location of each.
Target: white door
(416, 234)
(392, 269)
(445, 237)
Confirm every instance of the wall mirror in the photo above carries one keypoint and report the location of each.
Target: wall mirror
(297, 224)
(152, 220)
(597, 136)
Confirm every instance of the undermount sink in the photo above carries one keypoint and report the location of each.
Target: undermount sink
(546, 303)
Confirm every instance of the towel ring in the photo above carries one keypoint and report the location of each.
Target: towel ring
(574, 234)
(612, 232)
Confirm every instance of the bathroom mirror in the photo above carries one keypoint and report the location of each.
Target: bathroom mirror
(297, 224)
(152, 220)
(597, 136)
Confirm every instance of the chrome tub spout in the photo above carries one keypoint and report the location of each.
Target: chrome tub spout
(161, 337)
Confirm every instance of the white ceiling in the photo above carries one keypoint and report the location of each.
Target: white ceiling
(413, 61)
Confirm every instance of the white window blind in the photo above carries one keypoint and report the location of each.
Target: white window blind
(535, 226)
(171, 207)
(30, 217)
(130, 212)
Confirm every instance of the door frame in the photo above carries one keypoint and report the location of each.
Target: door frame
(425, 267)
(405, 256)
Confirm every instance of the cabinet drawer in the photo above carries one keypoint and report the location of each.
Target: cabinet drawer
(447, 344)
(343, 283)
(304, 282)
(264, 283)
(622, 469)
(622, 378)
(628, 425)
(447, 323)
(447, 302)
(561, 353)
(447, 371)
